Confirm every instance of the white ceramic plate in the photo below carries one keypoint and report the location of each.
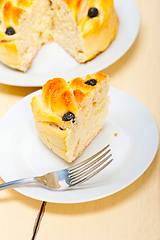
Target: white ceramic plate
(24, 155)
(53, 61)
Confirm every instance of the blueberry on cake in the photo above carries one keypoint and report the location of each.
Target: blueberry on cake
(69, 115)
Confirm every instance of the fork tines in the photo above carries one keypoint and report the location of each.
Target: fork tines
(90, 167)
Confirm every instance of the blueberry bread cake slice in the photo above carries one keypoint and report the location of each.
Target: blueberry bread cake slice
(69, 116)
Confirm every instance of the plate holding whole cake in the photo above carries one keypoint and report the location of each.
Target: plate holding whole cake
(84, 28)
(69, 115)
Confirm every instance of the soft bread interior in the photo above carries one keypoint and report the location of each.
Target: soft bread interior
(89, 122)
(65, 30)
(34, 32)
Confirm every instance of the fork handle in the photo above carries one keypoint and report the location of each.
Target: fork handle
(16, 183)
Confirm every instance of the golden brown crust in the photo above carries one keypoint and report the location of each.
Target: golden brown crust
(9, 54)
(11, 14)
(79, 83)
(79, 95)
(79, 10)
(59, 97)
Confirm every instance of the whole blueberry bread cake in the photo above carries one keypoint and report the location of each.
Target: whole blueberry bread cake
(83, 28)
(69, 116)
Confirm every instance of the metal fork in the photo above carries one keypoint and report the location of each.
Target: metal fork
(69, 177)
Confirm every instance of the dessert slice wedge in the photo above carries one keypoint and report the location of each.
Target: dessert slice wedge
(69, 115)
